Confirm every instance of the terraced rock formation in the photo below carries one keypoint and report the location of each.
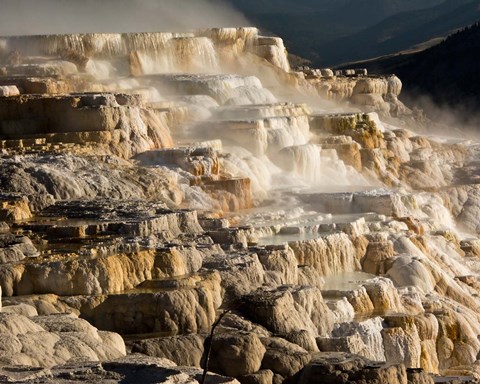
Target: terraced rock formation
(154, 184)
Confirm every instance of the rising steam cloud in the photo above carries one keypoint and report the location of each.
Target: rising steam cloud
(32, 17)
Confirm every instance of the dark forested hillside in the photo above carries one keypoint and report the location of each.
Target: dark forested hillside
(405, 30)
(330, 32)
(447, 73)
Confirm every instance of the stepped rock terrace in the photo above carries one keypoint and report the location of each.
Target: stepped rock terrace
(156, 185)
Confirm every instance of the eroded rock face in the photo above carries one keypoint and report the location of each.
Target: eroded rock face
(402, 341)
(121, 124)
(330, 255)
(190, 308)
(383, 295)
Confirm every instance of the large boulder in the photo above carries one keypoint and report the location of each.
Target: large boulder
(283, 357)
(186, 350)
(289, 309)
(236, 354)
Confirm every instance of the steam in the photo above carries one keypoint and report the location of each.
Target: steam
(37, 17)
(460, 120)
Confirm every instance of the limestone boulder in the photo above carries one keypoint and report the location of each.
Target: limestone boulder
(303, 339)
(372, 102)
(14, 324)
(9, 90)
(308, 275)
(185, 350)
(394, 85)
(360, 300)
(407, 271)
(284, 358)
(369, 332)
(177, 261)
(427, 328)
(471, 247)
(236, 354)
(20, 309)
(4, 227)
(384, 295)
(14, 207)
(371, 85)
(377, 253)
(350, 344)
(342, 310)
(423, 174)
(289, 309)
(264, 376)
(456, 342)
(463, 201)
(382, 202)
(349, 153)
(43, 304)
(273, 50)
(233, 322)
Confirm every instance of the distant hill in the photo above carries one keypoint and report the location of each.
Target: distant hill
(331, 32)
(447, 73)
(404, 30)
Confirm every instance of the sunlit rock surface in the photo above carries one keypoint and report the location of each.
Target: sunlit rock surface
(46, 341)
(158, 185)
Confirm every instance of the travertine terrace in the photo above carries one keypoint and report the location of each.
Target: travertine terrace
(152, 183)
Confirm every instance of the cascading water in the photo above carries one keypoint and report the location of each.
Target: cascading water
(269, 132)
(88, 44)
(240, 162)
(318, 168)
(150, 42)
(266, 130)
(100, 69)
(179, 55)
(302, 160)
(287, 131)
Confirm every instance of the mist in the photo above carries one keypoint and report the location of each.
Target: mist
(459, 120)
(36, 17)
